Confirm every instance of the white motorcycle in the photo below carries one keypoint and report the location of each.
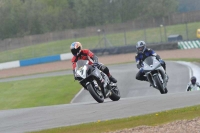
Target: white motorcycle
(155, 74)
(96, 82)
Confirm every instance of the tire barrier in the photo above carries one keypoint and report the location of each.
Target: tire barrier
(189, 44)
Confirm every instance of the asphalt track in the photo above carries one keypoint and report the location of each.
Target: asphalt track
(130, 87)
(137, 99)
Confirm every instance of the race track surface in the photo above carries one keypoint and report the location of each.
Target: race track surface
(130, 87)
(137, 99)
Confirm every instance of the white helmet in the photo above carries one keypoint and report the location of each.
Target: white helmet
(140, 46)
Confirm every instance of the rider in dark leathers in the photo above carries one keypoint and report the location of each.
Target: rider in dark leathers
(142, 54)
(193, 85)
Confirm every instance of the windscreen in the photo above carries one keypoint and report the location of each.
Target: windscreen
(149, 60)
(81, 63)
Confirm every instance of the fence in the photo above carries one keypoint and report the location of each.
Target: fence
(153, 31)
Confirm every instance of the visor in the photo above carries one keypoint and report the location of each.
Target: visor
(193, 81)
(140, 48)
(75, 52)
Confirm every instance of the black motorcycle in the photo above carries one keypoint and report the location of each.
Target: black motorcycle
(96, 82)
(155, 74)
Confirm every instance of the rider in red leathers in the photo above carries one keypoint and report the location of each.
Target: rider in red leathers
(86, 54)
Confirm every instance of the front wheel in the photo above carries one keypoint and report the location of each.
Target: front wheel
(159, 85)
(115, 96)
(96, 93)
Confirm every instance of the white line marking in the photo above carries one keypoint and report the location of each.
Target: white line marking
(194, 70)
(77, 95)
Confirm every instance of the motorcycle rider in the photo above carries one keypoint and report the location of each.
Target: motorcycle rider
(86, 54)
(142, 54)
(193, 85)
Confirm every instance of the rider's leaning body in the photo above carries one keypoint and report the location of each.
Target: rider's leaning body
(142, 54)
(140, 57)
(86, 54)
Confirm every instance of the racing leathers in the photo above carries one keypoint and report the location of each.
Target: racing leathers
(86, 54)
(193, 87)
(140, 57)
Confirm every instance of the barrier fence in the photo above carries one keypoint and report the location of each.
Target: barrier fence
(189, 44)
(68, 56)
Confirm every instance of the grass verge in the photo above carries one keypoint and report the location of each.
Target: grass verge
(186, 59)
(38, 92)
(118, 124)
(152, 35)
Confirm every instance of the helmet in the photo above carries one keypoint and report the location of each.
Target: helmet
(76, 48)
(193, 80)
(140, 46)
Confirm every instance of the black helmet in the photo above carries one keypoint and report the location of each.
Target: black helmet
(140, 46)
(193, 80)
(76, 48)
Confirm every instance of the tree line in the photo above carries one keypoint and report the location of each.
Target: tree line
(28, 17)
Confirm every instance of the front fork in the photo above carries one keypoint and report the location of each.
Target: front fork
(150, 79)
(160, 74)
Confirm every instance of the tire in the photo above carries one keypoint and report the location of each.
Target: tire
(166, 90)
(95, 95)
(159, 85)
(115, 96)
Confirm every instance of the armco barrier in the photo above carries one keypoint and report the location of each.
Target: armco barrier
(39, 60)
(99, 52)
(8, 65)
(35, 61)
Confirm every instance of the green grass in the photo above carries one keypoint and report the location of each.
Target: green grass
(117, 39)
(38, 92)
(61, 90)
(186, 59)
(117, 124)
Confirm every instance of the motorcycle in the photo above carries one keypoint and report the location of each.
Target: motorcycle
(96, 82)
(193, 87)
(155, 74)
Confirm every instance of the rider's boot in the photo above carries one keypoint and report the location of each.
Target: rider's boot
(112, 79)
(167, 77)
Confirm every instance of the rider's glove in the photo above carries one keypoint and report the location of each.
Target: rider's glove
(95, 64)
(161, 61)
(141, 70)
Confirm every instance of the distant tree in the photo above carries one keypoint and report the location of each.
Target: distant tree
(157, 8)
(27, 17)
(188, 5)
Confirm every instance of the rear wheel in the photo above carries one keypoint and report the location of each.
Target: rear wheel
(96, 93)
(159, 85)
(115, 96)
